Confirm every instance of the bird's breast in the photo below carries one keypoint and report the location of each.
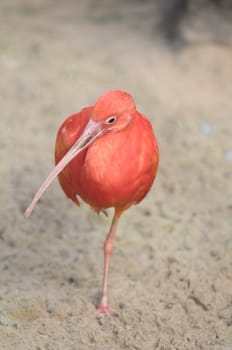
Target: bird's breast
(119, 167)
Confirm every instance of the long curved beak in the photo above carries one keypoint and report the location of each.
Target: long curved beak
(90, 133)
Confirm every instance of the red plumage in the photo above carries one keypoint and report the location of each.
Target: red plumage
(116, 170)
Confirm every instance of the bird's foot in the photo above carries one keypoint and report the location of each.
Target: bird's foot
(104, 309)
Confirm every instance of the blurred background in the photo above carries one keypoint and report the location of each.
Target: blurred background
(171, 276)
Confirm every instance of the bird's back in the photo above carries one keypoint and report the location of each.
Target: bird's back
(67, 134)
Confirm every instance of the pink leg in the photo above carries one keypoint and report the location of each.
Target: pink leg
(103, 307)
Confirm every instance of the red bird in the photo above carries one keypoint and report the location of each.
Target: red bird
(106, 154)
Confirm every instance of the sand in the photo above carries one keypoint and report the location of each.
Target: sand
(171, 273)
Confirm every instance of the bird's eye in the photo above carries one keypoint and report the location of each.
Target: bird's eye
(111, 120)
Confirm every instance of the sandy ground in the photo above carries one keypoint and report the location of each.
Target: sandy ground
(171, 275)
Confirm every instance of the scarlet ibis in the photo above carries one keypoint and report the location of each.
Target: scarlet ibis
(107, 154)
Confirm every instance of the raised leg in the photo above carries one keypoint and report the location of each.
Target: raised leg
(103, 307)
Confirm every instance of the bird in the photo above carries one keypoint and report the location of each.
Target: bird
(107, 155)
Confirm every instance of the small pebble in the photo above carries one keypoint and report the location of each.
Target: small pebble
(228, 155)
(207, 128)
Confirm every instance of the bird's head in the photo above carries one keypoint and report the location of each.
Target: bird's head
(112, 112)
